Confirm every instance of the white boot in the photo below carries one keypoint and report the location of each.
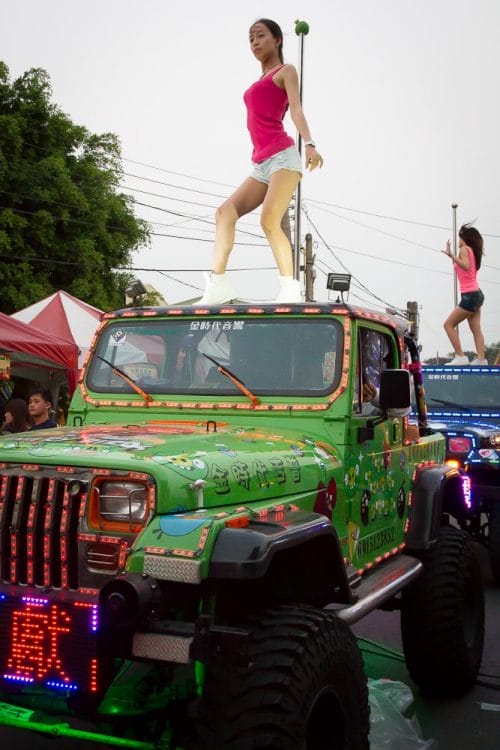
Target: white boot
(289, 290)
(217, 290)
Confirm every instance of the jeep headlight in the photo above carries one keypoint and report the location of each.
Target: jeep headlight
(495, 440)
(119, 505)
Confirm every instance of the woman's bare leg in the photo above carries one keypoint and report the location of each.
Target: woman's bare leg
(282, 186)
(451, 327)
(246, 198)
(474, 322)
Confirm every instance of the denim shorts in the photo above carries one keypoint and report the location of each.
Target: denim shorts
(471, 301)
(287, 159)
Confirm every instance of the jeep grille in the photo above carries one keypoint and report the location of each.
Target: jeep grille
(39, 526)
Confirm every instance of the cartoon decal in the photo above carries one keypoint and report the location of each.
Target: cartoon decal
(401, 502)
(326, 499)
(353, 538)
(351, 477)
(180, 525)
(227, 451)
(193, 467)
(365, 507)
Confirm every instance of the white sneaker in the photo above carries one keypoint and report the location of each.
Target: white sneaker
(217, 290)
(458, 360)
(479, 361)
(289, 290)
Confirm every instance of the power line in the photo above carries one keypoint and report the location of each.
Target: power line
(192, 270)
(389, 304)
(193, 218)
(225, 184)
(167, 197)
(394, 236)
(177, 187)
(121, 229)
(41, 260)
(178, 174)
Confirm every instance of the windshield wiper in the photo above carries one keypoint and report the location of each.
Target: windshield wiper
(130, 381)
(234, 379)
(450, 403)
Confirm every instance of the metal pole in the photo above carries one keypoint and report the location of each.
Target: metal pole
(301, 29)
(309, 269)
(455, 249)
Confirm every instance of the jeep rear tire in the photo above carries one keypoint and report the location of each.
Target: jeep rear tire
(442, 618)
(304, 690)
(494, 540)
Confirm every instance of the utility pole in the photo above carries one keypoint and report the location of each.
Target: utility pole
(455, 250)
(301, 29)
(413, 318)
(310, 273)
(285, 225)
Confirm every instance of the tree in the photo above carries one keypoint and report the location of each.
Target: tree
(492, 352)
(63, 222)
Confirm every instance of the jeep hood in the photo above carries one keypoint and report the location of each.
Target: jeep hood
(229, 466)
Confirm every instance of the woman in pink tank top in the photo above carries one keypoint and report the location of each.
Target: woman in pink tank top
(277, 169)
(466, 265)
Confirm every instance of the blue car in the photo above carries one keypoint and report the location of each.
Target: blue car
(463, 403)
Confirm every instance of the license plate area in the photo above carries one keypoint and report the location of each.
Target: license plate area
(48, 643)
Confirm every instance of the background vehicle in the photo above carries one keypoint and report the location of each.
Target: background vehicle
(464, 404)
(182, 563)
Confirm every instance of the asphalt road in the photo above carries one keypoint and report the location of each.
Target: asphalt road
(470, 723)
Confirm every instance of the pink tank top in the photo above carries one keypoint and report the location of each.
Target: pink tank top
(266, 105)
(467, 279)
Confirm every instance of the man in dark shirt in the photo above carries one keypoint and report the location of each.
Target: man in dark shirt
(39, 406)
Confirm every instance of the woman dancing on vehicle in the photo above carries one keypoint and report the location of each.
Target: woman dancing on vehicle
(276, 161)
(466, 265)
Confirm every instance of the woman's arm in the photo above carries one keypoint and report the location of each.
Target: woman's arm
(288, 79)
(462, 259)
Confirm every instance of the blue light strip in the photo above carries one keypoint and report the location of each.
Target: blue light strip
(18, 678)
(61, 685)
(492, 369)
(464, 414)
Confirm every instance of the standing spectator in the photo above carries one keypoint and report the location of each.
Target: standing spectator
(16, 417)
(466, 265)
(40, 406)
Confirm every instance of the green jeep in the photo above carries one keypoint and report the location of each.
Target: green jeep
(180, 565)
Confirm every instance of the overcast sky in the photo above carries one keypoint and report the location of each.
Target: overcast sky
(402, 98)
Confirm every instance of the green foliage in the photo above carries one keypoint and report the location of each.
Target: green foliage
(63, 222)
(492, 352)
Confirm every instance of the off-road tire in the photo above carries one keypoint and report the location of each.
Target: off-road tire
(442, 618)
(305, 688)
(494, 540)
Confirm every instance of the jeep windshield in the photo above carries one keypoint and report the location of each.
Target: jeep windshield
(465, 390)
(270, 356)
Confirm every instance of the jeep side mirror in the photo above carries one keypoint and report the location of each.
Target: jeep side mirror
(394, 389)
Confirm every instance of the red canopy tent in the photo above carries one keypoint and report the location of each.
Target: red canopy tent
(64, 316)
(26, 345)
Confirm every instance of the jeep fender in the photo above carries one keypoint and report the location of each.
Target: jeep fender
(306, 547)
(436, 490)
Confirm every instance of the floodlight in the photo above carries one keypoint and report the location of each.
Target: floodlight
(339, 282)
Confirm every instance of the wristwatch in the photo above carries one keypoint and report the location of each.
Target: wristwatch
(310, 143)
